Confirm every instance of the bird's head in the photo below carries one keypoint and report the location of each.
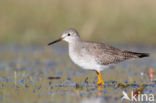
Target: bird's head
(70, 35)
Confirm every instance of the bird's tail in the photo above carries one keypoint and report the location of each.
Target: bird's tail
(136, 55)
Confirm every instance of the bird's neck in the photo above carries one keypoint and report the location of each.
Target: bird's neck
(75, 44)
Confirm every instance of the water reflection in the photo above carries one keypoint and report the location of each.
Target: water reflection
(24, 73)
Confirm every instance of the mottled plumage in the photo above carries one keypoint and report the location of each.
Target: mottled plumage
(106, 54)
(93, 55)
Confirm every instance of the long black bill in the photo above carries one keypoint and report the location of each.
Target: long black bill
(55, 41)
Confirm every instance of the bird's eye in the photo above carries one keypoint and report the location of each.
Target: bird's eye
(68, 34)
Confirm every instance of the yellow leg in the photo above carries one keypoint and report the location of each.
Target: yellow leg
(100, 79)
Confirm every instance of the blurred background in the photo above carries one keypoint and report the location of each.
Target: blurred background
(39, 21)
(32, 72)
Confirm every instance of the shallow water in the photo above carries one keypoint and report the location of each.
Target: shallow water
(45, 74)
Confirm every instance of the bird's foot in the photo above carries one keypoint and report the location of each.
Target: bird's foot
(100, 79)
(100, 83)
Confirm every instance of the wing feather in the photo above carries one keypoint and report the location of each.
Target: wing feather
(105, 54)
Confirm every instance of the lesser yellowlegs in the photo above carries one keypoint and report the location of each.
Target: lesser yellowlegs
(94, 56)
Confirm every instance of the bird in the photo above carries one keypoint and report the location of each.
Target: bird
(94, 56)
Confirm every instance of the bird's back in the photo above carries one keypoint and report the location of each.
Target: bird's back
(105, 54)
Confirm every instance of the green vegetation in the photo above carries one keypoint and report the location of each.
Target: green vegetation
(24, 70)
(39, 21)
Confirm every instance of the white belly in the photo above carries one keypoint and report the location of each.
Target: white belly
(86, 62)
